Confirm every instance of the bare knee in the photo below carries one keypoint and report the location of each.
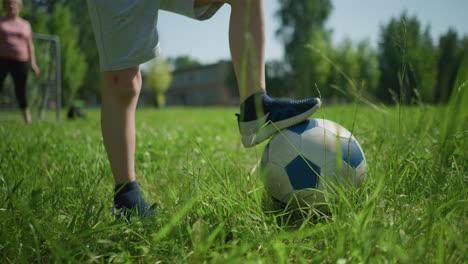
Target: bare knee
(123, 85)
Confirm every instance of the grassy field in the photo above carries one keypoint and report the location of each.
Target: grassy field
(56, 193)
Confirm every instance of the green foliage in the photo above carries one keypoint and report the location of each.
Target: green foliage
(455, 126)
(368, 67)
(56, 193)
(448, 53)
(158, 79)
(407, 62)
(451, 54)
(279, 79)
(302, 25)
(346, 59)
(315, 64)
(182, 62)
(462, 71)
(355, 70)
(73, 60)
(91, 86)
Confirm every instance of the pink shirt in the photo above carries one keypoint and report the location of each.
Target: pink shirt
(15, 39)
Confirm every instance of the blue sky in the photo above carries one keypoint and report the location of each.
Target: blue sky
(207, 41)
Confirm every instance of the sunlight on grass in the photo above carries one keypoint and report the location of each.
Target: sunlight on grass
(56, 193)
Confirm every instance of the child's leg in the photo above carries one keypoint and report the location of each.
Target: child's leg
(119, 100)
(247, 43)
(261, 116)
(126, 37)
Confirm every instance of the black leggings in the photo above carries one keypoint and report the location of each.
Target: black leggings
(19, 73)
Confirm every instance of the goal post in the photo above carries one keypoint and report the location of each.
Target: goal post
(54, 75)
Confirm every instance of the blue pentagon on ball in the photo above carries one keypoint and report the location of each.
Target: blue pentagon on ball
(304, 126)
(351, 153)
(302, 173)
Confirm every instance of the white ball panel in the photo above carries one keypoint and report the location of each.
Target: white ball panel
(277, 182)
(319, 146)
(328, 169)
(334, 128)
(284, 147)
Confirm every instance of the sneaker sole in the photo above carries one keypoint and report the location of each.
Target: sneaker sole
(269, 129)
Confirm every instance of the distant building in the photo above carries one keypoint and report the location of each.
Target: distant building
(201, 85)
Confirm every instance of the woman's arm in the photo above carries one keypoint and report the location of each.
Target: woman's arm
(32, 57)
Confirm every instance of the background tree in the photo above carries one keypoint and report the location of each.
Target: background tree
(461, 79)
(182, 62)
(345, 70)
(355, 70)
(462, 72)
(91, 87)
(158, 79)
(449, 59)
(73, 60)
(279, 79)
(306, 41)
(425, 67)
(407, 61)
(368, 64)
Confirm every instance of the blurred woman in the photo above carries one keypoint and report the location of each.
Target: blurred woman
(16, 52)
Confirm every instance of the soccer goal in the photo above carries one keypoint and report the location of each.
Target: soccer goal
(44, 92)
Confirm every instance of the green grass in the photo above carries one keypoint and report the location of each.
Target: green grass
(56, 193)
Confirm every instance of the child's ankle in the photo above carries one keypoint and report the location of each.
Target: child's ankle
(128, 195)
(252, 107)
(126, 187)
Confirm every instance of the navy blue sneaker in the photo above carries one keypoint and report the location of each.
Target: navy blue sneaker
(129, 202)
(262, 116)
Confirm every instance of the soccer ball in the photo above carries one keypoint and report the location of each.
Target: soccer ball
(308, 160)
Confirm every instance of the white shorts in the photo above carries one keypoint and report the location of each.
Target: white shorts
(125, 30)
